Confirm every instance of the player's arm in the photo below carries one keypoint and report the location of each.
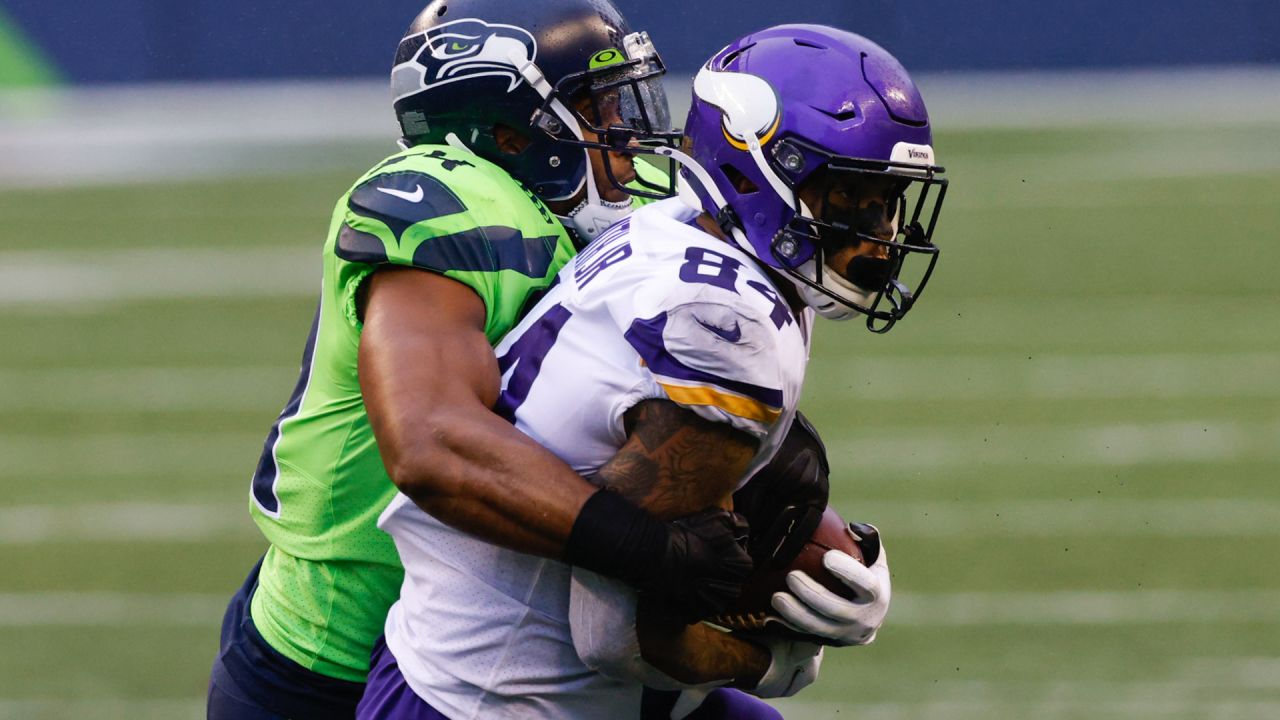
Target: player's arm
(673, 461)
(429, 378)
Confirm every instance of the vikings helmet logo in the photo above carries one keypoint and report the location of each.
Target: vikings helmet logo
(748, 105)
(461, 50)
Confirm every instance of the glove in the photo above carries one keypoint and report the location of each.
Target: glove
(692, 567)
(812, 609)
(704, 566)
(794, 667)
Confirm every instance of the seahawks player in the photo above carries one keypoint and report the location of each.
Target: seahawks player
(431, 257)
(666, 364)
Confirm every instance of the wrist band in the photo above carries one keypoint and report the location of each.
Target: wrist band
(613, 537)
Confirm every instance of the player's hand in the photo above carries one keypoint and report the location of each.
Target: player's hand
(794, 666)
(810, 608)
(704, 566)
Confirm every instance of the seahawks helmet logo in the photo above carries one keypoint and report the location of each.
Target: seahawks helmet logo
(460, 50)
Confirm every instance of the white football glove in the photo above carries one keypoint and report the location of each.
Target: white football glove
(793, 667)
(812, 609)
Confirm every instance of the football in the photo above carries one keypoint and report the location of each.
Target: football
(753, 612)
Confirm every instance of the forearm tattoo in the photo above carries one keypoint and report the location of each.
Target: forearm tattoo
(675, 463)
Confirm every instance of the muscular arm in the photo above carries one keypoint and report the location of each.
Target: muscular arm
(429, 379)
(675, 463)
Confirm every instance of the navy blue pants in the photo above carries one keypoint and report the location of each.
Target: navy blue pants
(389, 697)
(252, 681)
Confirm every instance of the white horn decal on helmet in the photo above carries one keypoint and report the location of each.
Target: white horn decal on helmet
(748, 103)
(750, 114)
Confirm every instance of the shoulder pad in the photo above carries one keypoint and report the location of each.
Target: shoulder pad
(446, 211)
(398, 200)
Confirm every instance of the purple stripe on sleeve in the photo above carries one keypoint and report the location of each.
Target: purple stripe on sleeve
(646, 337)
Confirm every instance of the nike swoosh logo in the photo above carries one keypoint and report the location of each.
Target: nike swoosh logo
(413, 197)
(731, 335)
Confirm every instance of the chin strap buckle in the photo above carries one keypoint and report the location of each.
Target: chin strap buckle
(546, 122)
(727, 219)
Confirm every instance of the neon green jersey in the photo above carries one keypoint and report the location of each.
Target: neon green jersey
(330, 574)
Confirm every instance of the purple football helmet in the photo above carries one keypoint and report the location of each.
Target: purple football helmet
(797, 107)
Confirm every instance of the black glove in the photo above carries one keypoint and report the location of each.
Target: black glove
(691, 567)
(704, 567)
(784, 501)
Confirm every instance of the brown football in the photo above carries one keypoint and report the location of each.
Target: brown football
(752, 610)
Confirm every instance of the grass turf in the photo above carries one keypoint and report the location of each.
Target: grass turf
(1102, 295)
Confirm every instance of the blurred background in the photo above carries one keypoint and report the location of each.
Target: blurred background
(1072, 445)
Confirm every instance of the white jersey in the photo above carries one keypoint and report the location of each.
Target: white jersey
(654, 308)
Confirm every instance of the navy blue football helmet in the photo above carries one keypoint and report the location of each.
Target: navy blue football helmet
(465, 66)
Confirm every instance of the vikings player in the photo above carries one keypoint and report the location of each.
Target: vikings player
(666, 364)
(431, 257)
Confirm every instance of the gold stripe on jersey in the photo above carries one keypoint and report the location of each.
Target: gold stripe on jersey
(743, 407)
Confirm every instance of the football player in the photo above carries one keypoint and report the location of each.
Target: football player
(430, 257)
(666, 364)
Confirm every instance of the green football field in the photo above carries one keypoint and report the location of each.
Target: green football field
(1072, 445)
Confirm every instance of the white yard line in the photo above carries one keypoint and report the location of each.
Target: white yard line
(1065, 444)
(966, 378)
(32, 277)
(1081, 702)
(1071, 519)
(1081, 706)
(90, 457)
(110, 609)
(181, 131)
(1135, 607)
(125, 522)
(1165, 98)
(1065, 519)
(170, 389)
(104, 709)
(910, 610)
(1073, 377)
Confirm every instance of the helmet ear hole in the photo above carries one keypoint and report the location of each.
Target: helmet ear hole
(509, 140)
(740, 182)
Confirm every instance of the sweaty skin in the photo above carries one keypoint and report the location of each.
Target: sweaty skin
(429, 379)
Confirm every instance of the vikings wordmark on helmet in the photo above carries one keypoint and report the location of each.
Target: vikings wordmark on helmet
(461, 50)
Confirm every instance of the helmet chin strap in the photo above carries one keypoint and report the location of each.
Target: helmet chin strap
(689, 197)
(590, 219)
(848, 291)
(822, 304)
(593, 215)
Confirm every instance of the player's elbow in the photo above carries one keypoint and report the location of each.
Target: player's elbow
(425, 467)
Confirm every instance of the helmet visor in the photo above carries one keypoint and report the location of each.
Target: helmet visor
(622, 102)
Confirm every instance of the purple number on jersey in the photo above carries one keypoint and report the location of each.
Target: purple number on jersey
(708, 266)
(780, 314)
(614, 256)
(526, 354)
